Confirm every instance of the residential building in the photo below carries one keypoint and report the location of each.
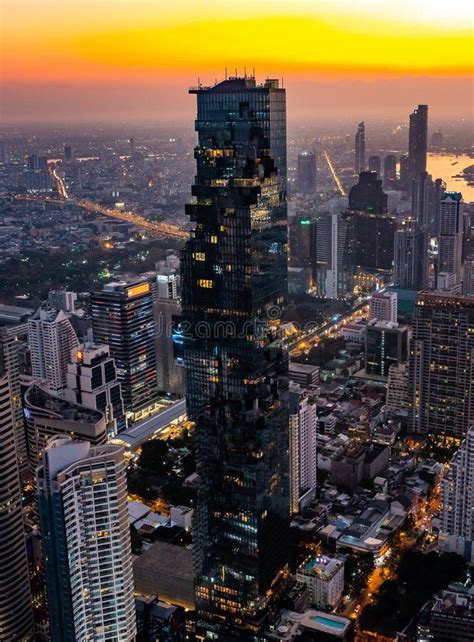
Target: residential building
(92, 382)
(383, 306)
(51, 338)
(62, 300)
(324, 577)
(234, 271)
(449, 617)
(409, 256)
(82, 499)
(398, 396)
(450, 238)
(303, 455)
(441, 364)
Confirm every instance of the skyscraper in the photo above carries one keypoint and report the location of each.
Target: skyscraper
(234, 271)
(303, 460)
(375, 165)
(359, 161)
(425, 202)
(457, 502)
(409, 256)
(368, 195)
(16, 616)
(307, 173)
(390, 172)
(82, 497)
(67, 153)
(385, 345)
(450, 238)
(62, 300)
(417, 141)
(383, 306)
(122, 318)
(441, 364)
(92, 382)
(51, 338)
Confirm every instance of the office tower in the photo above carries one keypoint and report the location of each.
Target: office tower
(457, 502)
(398, 396)
(132, 147)
(409, 256)
(450, 238)
(307, 173)
(425, 202)
(51, 338)
(122, 318)
(368, 195)
(62, 300)
(234, 270)
(301, 241)
(359, 162)
(82, 498)
(375, 165)
(303, 457)
(404, 181)
(417, 141)
(16, 616)
(371, 240)
(390, 172)
(386, 344)
(92, 382)
(36, 177)
(468, 276)
(67, 155)
(437, 141)
(166, 309)
(339, 271)
(441, 364)
(47, 415)
(383, 306)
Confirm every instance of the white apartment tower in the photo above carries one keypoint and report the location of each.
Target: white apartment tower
(450, 241)
(383, 306)
(303, 455)
(398, 397)
(82, 494)
(51, 338)
(457, 502)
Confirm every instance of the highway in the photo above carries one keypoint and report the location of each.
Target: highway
(339, 185)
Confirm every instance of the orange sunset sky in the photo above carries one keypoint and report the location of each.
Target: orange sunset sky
(134, 59)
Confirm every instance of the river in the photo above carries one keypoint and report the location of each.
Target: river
(441, 166)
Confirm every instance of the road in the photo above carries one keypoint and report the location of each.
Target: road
(339, 185)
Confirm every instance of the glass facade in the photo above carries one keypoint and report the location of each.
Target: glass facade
(234, 270)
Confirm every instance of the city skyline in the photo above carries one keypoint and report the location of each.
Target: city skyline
(137, 60)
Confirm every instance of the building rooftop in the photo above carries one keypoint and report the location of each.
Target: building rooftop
(38, 397)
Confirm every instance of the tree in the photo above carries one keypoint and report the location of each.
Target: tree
(154, 457)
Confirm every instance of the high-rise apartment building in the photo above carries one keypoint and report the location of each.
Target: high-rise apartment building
(398, 397)
(409, 268)
(234, 271)
(359, 161)
(303, 456)
(417, 141)
(62, 300)
(122, 318)
(16, 616)
(450, 238)
(307, 173)
(47, 415)
(67, 153)
(337, 271)
(404, 183)
(375, 165)
(51, 338)
(383, 306)
(82, 497)
(371, 240)
(92, 382)
(368, 195)
(442, 364)
(468, 276)
(425, 202)
(457, 502)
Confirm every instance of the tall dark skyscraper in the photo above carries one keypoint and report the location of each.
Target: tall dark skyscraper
(418, 141)
(368, 195)
(409, 255)
(234, 273)
(307, 173)
(390, 172)
(359, 161)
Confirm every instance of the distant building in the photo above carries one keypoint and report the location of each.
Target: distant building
(303, 455)
(386, 343)
(417, 141)
(441, 364)
(82, 498)
(92, 382)
(368, 195)
(67, 155)
(371, 241)
(324, 577)
(375, 164)
(47, 415)
(299, 280)
(51, 338)
(404, 182)
(457, 502)
(302, 241)
(437, 141)
(468, 276)
(398, 396)
(425, 203)
(450, 237)
(307, 173)
(383, 306)
(359, 161)
(122, 318)
(390, 172)
(304, 374)
(409, 256)
(62, 300)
